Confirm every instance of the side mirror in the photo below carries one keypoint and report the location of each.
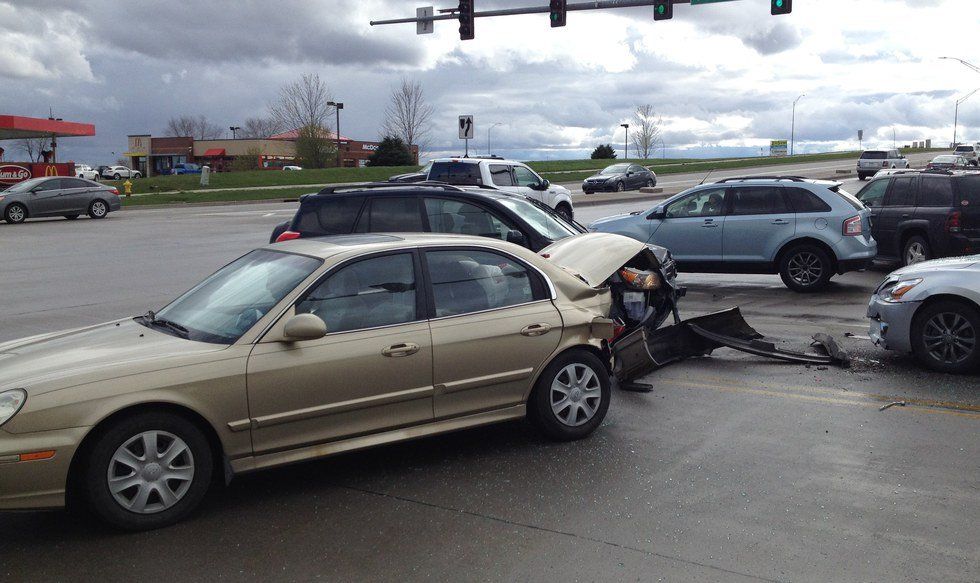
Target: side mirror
(304, 327)
(517, 238)
(658, 214)
(543, 185)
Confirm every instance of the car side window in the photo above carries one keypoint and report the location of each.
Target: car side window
(705, 203)
(525, 177)
(379, 291)
(53, 184)
(333, 216)
(74, 183)
(804, 201)
(637, 169)
(500, 175)
(469, 280)
(873, 195)
(900, 194)
(758, 200)
(462, 218)
(392, 214)
(935, 191)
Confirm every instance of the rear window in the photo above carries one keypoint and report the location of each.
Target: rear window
(968, 190)
(333, 216)
(935, 191)
(460, 173)
(804, 201)
(874, 156)
(963, 149)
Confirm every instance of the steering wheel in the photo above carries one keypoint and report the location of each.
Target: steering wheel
(247, 319)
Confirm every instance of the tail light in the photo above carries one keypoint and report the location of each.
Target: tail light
(114, 191)
(287, 236)
(953, 222)
(853, 227)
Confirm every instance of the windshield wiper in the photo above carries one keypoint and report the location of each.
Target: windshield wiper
(151, 318)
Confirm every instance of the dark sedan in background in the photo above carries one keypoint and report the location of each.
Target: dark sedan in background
(948, 162)
(57, 196)
(619, 177)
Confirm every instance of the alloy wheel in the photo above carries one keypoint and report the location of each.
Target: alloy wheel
(150, 472)
(575, 394)
(15, 213)
(99, 209)
(805, 268)
(949, 337)
(916, 253)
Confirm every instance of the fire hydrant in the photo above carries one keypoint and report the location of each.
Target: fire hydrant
(128, 188)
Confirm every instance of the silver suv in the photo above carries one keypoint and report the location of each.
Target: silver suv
(872, 161)
(804, 230)
(971, 153)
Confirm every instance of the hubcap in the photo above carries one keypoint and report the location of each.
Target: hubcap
(805, 268)
(98, 208)
(16, 214)
(915, 254)
(950, 338)
(575, 394)
(151, 472)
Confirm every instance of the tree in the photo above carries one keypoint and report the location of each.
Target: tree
(392, 151)
(604, 152)
(260, 127)
(34, 148)
(408, 116)
(646, 130)
(302, 106)
(197, 127)
(250, 161)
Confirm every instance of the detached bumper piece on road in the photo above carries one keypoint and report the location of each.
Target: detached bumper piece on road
(644, 351)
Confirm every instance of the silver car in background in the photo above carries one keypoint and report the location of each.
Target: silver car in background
(931, 310)
(62, 196)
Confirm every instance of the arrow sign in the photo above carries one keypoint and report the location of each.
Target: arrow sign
(423, 26)
(466, 127)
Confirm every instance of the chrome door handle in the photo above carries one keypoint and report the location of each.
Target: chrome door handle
(780, 222)
(404, 349)
(536, 330)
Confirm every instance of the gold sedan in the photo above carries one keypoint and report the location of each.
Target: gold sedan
(306, 349)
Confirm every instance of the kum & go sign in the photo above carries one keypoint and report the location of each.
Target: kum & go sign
(14, 173)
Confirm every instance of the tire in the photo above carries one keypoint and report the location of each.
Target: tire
(620, 187)
(651, 183)
(587, 191)
(151, 501)
(137, 176)
(584, 406)
(806, 268)
(16, 213)
(565, 211)
(71, 217)
(116, 176)
(98, 209)
(944, 336)
(862, 177)
(916, 250)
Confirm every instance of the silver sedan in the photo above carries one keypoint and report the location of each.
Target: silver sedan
(57, 196)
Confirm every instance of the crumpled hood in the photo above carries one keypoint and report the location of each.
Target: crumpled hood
(53, 361)
(971, 262)
(596, 256)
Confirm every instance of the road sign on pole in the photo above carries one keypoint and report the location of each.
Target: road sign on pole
(466, 131)
(424, 26)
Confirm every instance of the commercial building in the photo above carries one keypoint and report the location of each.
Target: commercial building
(48, 130)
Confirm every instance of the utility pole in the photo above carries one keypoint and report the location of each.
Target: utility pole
(792, 136)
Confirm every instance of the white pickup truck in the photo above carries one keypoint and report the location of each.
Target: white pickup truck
(505, 175)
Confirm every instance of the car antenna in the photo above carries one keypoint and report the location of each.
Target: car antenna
(706, 176)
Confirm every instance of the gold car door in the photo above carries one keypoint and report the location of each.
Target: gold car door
(371, 372)
(493, 326)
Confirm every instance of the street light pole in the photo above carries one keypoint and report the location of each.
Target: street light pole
(626, 141)
(337, 106)
(495, 124)
(234, 132)
(965, 63)
(956, 115)
(792, 136)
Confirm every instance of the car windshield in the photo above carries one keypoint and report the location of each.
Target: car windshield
(25, 185)
(546, 223)
(615, 169)
(944, 159)
(225, 305)
(873, 156)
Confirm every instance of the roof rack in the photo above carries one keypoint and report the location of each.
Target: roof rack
(404, 185)
(734, 178)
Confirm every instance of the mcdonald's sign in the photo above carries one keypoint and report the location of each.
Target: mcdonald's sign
(18, 172)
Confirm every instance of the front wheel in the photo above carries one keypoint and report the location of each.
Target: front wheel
(571, 397)
(147, 471)
(805, 269)
(651, 183)
(944, 337)
(620, 187)
(565, 211)
(98, 209)
(15, 213)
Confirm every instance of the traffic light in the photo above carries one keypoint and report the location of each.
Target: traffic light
(558, 12)
(781, 6)
(465, 15)
(664, 9)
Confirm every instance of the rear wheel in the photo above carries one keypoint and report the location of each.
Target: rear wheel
(806, 268)
(916, 250)
(944, 336)
(862, 176)
(98, 209)
(15, 213)
(147, 471)
(565, 211)
(116, 176)
(571, 397)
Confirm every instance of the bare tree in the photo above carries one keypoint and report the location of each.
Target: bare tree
(303, 106)
(260, 127)
(408, 116)
(34, 148)
(646, 130)
(197, 127)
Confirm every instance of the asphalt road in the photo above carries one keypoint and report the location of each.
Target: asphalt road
(733, 469)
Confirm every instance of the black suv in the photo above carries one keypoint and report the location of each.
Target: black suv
(426, 208)
(917, 216)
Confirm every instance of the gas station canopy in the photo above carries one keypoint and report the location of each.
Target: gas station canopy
(13, 127)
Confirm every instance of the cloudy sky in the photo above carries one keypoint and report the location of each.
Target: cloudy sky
(723, 76)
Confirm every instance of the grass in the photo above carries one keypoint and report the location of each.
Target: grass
(220, 196)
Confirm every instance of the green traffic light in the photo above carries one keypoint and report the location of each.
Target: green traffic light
(779, 3)
(661, 9)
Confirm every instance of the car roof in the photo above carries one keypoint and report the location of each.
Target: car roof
(413, 188)
(476, 160)
(330, 245)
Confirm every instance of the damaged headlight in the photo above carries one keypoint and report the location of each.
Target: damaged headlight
(894, 292)
(645, 280)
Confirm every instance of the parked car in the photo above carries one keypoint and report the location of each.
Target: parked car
(185, 168)
(931, 310)
(308, 349)
(292, 168)
(87, 172)
(948, 162)
(917, 216)
(873, 160)
(505, 175)
(619, 177)
(804, 230)
(969, 151)
(420, 176)
(120, 172)
(51, 197)
(426, 208)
